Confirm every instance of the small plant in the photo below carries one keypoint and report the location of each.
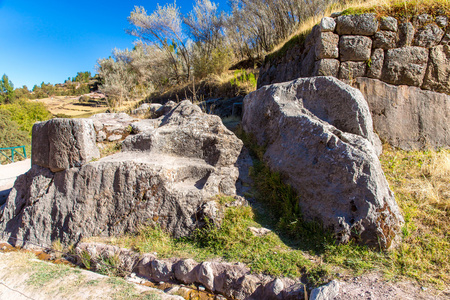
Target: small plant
(241, 77)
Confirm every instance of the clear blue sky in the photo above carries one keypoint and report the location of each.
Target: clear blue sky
(52, 40)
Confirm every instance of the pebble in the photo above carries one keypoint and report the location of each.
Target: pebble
(201, 288)
(4, 248)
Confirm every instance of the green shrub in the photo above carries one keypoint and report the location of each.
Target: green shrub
(26, 113)
(10, 133)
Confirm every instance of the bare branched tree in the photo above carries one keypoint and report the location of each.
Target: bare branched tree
(163, 29)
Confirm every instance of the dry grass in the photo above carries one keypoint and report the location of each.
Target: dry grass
(421, 181)
(69, 106)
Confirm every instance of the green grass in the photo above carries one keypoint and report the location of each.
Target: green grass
(44, 273)
(300, 249)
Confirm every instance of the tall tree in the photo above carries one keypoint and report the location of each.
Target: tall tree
(6, 90)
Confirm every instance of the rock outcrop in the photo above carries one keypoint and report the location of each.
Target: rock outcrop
(414, 54)
(235, 281)
(319, 137)
(166, 174)
(408, 117)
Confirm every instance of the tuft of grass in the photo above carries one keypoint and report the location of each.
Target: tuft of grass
(44, 273)
(110, 148)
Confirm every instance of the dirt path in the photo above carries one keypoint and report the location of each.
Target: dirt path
(8, 174)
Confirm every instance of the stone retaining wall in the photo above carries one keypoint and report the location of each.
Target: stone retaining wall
(414, 53)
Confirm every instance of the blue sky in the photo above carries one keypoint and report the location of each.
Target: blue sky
(52, 40)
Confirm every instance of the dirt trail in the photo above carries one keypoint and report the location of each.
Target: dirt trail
(8, 174)
(22, 276)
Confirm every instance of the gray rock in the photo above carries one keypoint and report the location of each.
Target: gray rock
(437, 76)
(389, 23)
(442, 21)
(355, 48)
(364, 24)
(275, 288)
(406, 34)
(327, 24)
(405, 65)
(141, 110)
(429, 36)
(327, 45)
(116, 125)
(423, 19)
(445, 39)
(408, 117)
(322, 150)
(161, 270)
(325, 292)
(327, 67)
(375, 67)
(185, 271)
(60, 144)
(259, 231)
(101, 136)
(205, 275)
(349, 70)
(385, 40)
(145, 125)
(114, 137)
(151, 181)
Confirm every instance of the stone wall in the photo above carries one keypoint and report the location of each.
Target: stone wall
(414, 53)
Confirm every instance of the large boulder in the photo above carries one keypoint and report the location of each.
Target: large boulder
(318, 133)
(61, 144)
(166, 174)
(408, 117)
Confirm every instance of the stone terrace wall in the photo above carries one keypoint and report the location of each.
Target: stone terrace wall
(401, 67)
(415, 53)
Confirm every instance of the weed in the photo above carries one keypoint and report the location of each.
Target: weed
(245, 80)
(110, 148)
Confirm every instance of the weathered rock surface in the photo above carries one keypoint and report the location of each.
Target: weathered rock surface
(405, 65)
(355, 48)
(112, 126)
(352, 69)
(437, 77)
(429, 36)
(164, 175)
(325, 292)
(389, 23)
(318, 134)
(408, 117)
(64, 143)
(364, 24)
(327, 46)
(375, 67)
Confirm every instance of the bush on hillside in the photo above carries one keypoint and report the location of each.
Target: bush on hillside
(25, 113)
(10, 133)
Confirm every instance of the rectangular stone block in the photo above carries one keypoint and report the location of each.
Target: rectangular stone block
(355, 48)
(327, 45)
